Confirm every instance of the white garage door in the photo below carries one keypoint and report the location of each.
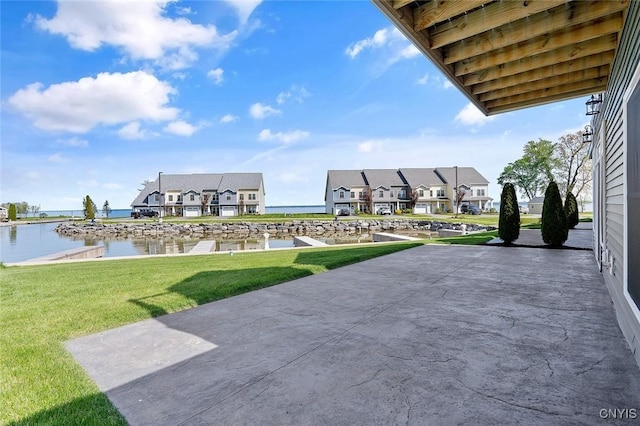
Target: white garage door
(420, 209)
(191, 211)
(227, 211)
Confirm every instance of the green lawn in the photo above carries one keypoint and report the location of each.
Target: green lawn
(469, 239)
(44, 306)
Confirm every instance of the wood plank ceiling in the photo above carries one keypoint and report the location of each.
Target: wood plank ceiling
(511, 54)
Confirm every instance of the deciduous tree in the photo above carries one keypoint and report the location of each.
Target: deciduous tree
(572, 164)
(204, 200)
(532, 173)
(367, 199)
(106, 209)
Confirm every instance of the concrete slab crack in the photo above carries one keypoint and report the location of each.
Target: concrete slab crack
(512, 404)
(579, 373)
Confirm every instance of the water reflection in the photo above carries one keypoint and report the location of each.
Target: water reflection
(38, 240)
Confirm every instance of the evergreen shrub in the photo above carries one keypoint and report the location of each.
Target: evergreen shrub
(509, 219)
(554, 221)
(13, 213)
(571, 210)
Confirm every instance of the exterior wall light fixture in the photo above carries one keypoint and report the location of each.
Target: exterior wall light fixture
(587, 134)
(593, 104)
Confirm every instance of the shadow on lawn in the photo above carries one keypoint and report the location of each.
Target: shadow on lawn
(94, 409)
(209, 286)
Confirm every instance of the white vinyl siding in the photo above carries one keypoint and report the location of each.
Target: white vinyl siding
(614, 158)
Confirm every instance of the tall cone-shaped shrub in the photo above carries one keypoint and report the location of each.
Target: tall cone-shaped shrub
(13, 215)
(509, 220)
(571, 210)
(554, 222)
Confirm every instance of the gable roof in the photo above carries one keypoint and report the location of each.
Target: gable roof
(345, 179)
(200, 181)
(383, 177)
(466, 175)
(421, 176)
(239, 181)
(506, 54)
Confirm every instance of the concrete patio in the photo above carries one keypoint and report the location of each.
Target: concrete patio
(431, 335)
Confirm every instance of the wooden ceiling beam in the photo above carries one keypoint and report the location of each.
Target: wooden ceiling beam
(397, 4)
(580, 50)
(586, 86)
(492, 16)
(541, 44)
(435, 12)
(598, 73)
(544, 72)
(556, 19)
(546, 100)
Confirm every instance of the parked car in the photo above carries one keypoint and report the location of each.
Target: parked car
(343, 212)
(524, 210)
(144, 213)
(384, 211)
(469, 209)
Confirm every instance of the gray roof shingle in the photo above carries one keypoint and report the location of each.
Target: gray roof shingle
(421, 176)
(345, 178)
(466, 176)
(383, 177)
(200, 182)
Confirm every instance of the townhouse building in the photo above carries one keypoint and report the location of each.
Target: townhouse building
(212, 194)
(422, 190)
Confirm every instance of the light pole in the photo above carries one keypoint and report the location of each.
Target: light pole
(160, 195)
(455, 200)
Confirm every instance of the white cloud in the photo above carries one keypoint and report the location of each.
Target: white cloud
(282, 97)
(297, 93)
(367, 146)
(56, 158)
(139, 28)
(379, 38)
(423, 80)
(470, 115)
(260, 111)
(244, 8)
(447, 84)
(228, 118)
(74, 142)
(409, 52)
(283, 137)
(216, 75)
(181, 128)
(392, 47)
(184, 10)
(78, 106)
(132, 131)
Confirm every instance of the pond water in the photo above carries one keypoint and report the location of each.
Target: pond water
(24, 242)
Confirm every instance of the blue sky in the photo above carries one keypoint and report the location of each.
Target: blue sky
(98, 96)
